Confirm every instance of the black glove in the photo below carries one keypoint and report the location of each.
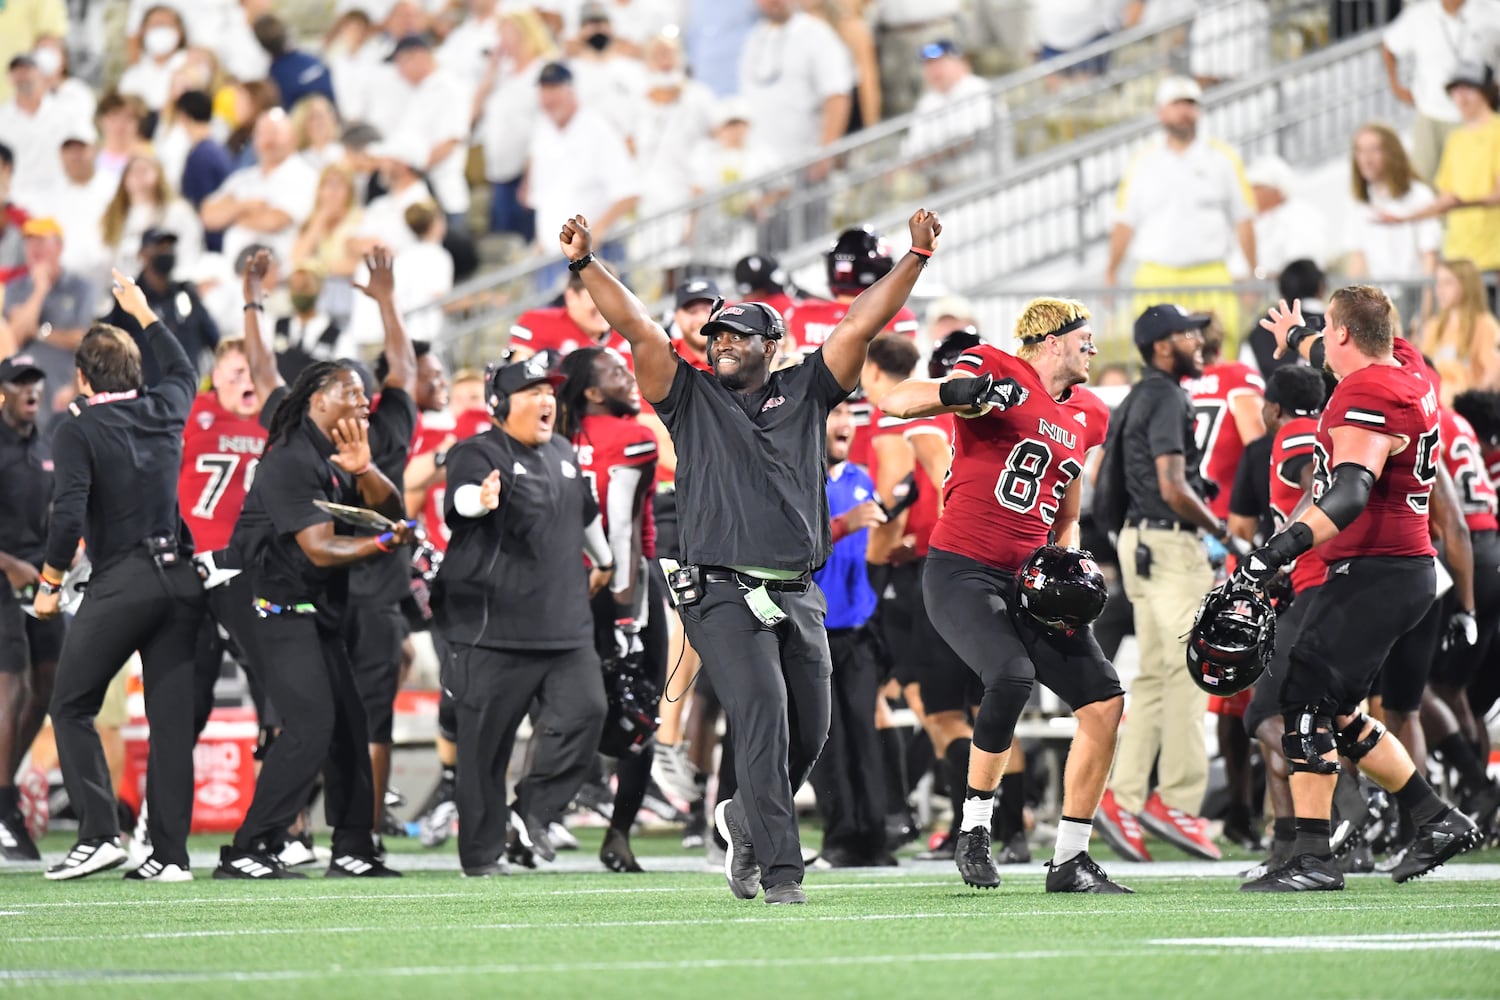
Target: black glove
(982, 392)
(1265, 562)
(1462, 631)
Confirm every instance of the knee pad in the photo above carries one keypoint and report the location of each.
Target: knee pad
(1000, 709)
(1308, 736)
(1349, 743)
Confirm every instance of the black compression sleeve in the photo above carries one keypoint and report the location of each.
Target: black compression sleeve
(1347, 494)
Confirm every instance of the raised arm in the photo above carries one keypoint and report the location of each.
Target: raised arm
(655, 360)
(846, 348)
(264, 374)
(400, 356)
(179, 379)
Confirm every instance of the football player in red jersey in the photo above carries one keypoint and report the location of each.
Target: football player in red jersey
(565, 328)
(1227, 398)
(617, 453)
(1014, 486)
(858, 259)
(1376, 458)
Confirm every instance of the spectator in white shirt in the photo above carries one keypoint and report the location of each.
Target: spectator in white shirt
(431, 107)
(1426, 44)
(506, 109)
(579, 164)
(316, 123)
(727, 159)
(1229, 41)
(1385, 185)
(77, 199)
(163, 49)
(903, 27)
(144, 200)
(267, 202)
(352, 50)
(1063, 26)
(608, 81)
(678, 114)
(1287, 227)
(74, 98)
(399, 162)
(797, 77)
(423, 275)
(469, 47)
(954, 115)
(206, 21)
(31, 126)
(237, 48)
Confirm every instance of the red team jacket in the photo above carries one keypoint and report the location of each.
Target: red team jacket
(1400, 402)
(1295, 443)
(1012, 469)
(812, 320)
(1219, 439)
(219, 455)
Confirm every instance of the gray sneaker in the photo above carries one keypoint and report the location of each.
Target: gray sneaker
(787, 893)
(740, 868)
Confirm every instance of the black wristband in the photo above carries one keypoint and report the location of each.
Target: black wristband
(1289, 544)
(581, 262)
(964, 391)
(439, 459)
(1296, 335)
(258, 307)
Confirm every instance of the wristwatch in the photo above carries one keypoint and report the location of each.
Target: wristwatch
(581, 262)
(439, 459)
(45, 588)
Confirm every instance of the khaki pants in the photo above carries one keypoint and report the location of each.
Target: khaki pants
(1427, 138)
(1165, 710)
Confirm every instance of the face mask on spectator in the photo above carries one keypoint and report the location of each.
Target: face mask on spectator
(163, 263)
(161, 40)
(304, 303)
(48, 60)
(598, 41)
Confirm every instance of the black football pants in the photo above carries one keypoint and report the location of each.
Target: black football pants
(849, 777)
(132, 605)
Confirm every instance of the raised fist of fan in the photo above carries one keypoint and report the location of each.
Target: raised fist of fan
(577, 242)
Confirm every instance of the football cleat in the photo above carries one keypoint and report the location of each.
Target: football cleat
(975, 862)
(786, 894)
(1304, 873)
(741, 870)
(1483, 807)
(239, 864)
(1435, 844)
(1015, 852)
(696, 828)
(88, 857)
(533, 837)
(15, 840)
(1180, 829)
(354, 866)
(562, 838)
(138, 847)
(154, 871)
(675, 773)
(1120, 829)
(616, 853)
(1280, 856)
(1358, 860)
(1082, 873)
(495, 869)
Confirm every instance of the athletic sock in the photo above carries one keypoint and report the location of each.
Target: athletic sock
(9, 802)
(1313, 837)
(893, 767)
(957, 759)
(978, 809)
(1284, 830)
(1072, 839)
(1459, 754)
(1418, 798)
(1010, 816)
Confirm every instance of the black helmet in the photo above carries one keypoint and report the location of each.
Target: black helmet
(630, 719)
(1231, 641)
(859, 258)
(946, 354)
(1061, 588)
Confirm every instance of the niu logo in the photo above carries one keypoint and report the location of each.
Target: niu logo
(772, 403)
(1241, 608)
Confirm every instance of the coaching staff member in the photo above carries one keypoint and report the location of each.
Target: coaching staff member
(512, 604)
(751, 477)
(116, 464)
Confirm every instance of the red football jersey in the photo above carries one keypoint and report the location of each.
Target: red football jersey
(1401, 402)
(1011, 469)
(922, 515)
(606, 444)
(553, 330)
(810, 323)
(219, 453)
(1295, 441)
(432, 430)
(1219, 439)
(1464, 461)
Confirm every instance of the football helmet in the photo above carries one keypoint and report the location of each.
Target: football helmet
(630, 720)
(1060, 587)
(1231, 641)
(858, 258)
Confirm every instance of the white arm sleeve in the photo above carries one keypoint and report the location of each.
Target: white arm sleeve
(467, 501)
(619, 504)
(594, 544)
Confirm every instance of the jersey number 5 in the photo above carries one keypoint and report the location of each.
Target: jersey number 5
(1425, 469)
(1020, 485)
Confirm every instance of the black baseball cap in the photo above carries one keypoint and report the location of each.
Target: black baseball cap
(517, 375)
(697, 290)
(1161, 321)
(20, 368)
(1470, 74)
(754, 319)
(554, 74)
(759, 270)
(408, 43)
(153, 236)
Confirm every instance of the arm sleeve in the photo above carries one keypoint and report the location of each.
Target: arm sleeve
(595, 546)
(73, 472)
(467, 466)
(619, 505)
(179, 379)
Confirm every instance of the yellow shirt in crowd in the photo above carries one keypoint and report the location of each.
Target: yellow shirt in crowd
(1470, 169)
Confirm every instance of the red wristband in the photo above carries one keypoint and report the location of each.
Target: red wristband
(920, 252)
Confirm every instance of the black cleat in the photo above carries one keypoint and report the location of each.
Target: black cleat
(239, 864)
(900, 829)
(1436, 843)
(1305, 873)
(975, 862)
(531, 842)
(787, 893)
(1015, 852)
(1482, 806)
(1280, 857)
(15, 842)
(354, 866)
(1358, 860)
(495, 869)
(1082, 873)
(741, 870)
(616, 853)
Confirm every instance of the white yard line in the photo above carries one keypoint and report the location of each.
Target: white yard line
(1416, 941)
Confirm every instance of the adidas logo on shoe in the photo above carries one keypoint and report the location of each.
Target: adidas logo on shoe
(354, 866)
(154, 871)
(87, 857)
(235, 863)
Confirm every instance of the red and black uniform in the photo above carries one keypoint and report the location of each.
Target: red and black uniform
(812, 320)
(1219, 441)
(1381, 579)
(1011, 470)
(618, 458)
(220, 451)
(432, 430)
(1464, 459)
(552, 329)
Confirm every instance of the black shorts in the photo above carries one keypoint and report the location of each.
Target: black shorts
(969, 604)
(1265, 700)
(26, 641)
(1353, 620)
(664, 513)
(373, 635)
(1459, 666)
(1403, 676)
(919, 655)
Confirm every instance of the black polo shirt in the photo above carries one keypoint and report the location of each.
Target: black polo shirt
(25, 494)
(116, 464)
(515, 578)
(752, 468)
(393, 422)
(178, 306)
(1251, 496)
(1159, 422)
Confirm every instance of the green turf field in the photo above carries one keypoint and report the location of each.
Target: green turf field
(892, 934)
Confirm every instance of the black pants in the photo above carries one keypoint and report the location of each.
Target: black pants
(374, 633)
(132, 605)
(633, 771)
(774, 685)
(849, 778)
(230, 613)
(492, 692)
(307, 675)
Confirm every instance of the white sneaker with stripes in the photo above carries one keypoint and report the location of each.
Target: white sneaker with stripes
(241, 864)
(154, 871)
(87, 857)
(354, 866)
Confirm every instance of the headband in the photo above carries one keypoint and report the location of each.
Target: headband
(1067, 327)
